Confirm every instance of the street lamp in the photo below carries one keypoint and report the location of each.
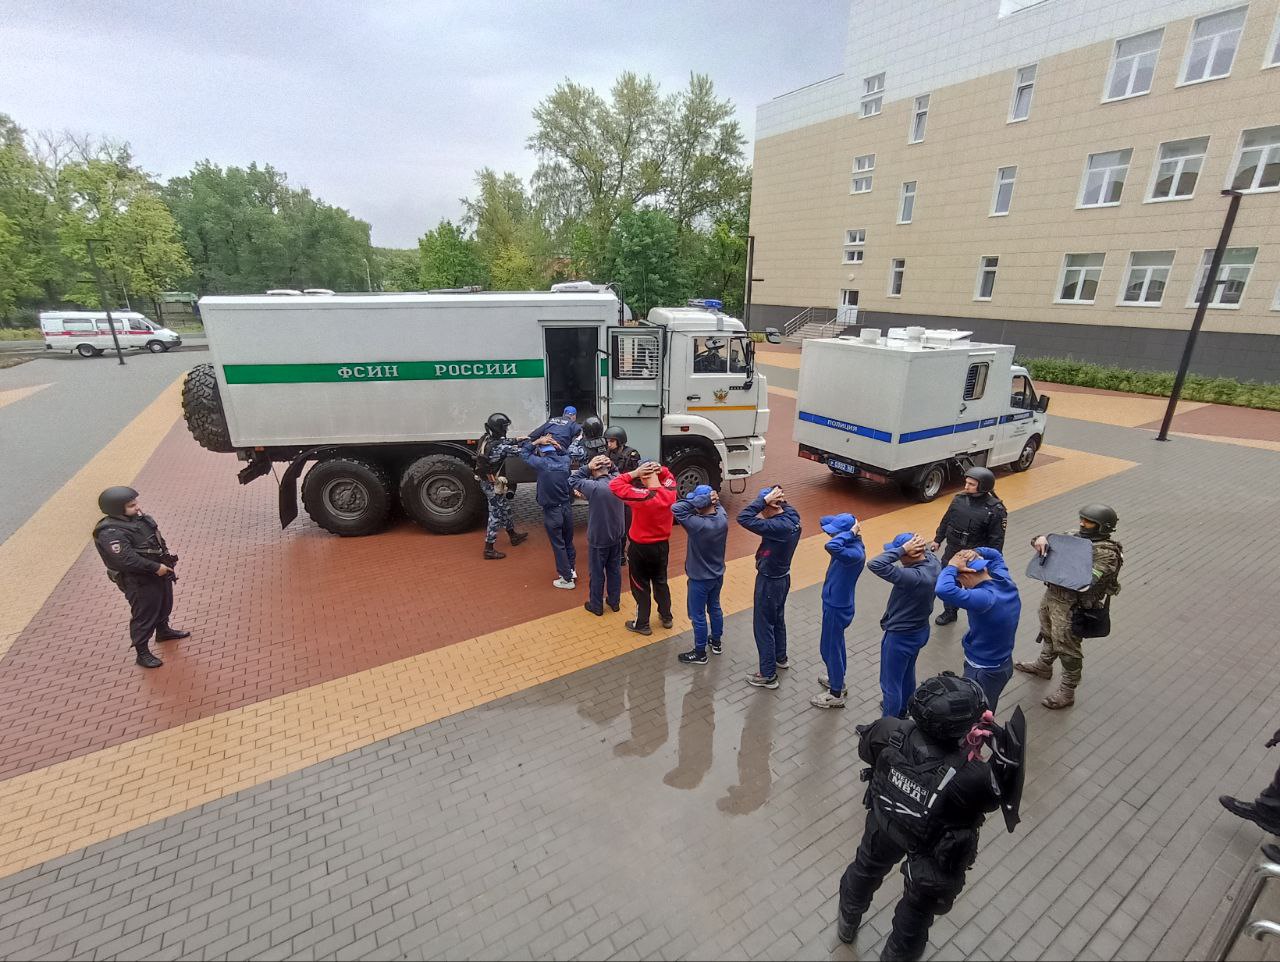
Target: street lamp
(751, 280)
(102, 293)
(368, 283)
(1211, 284)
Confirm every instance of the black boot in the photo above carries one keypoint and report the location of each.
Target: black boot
(146, 659)
(1265, 820)
(491, 553)
(847, 928)
(517, 537)
(948, 616)
(171, 634)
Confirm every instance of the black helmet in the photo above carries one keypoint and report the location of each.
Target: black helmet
(986, 480)
(112, 501)
(617, 433)
(496, 426)
(944, 708)
(1103, 515)
(592, 428)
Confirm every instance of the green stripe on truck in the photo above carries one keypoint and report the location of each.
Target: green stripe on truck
(381, 371)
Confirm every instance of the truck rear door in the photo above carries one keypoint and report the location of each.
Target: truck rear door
(635, 387)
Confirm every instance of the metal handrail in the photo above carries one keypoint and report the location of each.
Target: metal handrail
(1241, 910)
(797, 322)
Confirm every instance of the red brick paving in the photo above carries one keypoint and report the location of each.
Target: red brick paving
(271, 612)
(1227, 422)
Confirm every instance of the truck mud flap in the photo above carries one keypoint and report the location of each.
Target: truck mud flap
(288, 493)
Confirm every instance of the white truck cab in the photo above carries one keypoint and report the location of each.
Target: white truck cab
(385, 395)
(915, 407)
(88, 333)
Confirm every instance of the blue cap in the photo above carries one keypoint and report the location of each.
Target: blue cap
(569, 409)
(547, 449)
(837, 523)
(764, 491)
(700, 497)
(977, 564)
(898, 541)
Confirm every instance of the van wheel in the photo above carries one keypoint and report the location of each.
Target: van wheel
(157, 347)
(692, 467)
(87, 350)
(440, 493)
(1028, 454)
(347, 496)
(928, 484)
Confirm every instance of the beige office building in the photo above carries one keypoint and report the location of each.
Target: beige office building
(1046, 173)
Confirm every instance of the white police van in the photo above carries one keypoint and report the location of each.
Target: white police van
(88, 333)
(915, 407)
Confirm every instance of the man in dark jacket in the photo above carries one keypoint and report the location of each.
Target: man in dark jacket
(605, 533)
(976, 518)
(926, 801)
(912, 569)
(778, 525)
(140, 565)
(556, 500)
(707, 527)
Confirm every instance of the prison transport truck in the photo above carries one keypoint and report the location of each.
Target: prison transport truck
(916, 407)
(384, 395)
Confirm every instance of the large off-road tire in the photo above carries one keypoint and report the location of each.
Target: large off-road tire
(692, 467)
(347, 496)
(1028, 454)
(202, 407)
(440, 493)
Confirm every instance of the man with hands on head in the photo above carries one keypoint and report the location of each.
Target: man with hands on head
(978, 580)
(606, 531)
(556, 500)
(912, 568)
(650, 490)
(847, 559)
(778, 525)
(707, 527)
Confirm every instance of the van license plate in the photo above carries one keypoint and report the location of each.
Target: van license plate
(842, 466)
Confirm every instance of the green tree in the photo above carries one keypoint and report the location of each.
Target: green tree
(510, 238)
(448, 258)
(31, 266)
(645, 253)
(396, 269)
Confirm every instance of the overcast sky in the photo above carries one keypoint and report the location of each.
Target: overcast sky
(384, 107)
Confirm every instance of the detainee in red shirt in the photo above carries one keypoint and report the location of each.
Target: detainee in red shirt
(650, 491)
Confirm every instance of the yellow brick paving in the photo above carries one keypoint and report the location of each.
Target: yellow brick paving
(37, 556)
(64, 807)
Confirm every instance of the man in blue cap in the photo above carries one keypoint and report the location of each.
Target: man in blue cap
(564, 430)
(978, 581)
(847, 558)
(555, 497)
(912, 569)
(778, 525)
(707, 527)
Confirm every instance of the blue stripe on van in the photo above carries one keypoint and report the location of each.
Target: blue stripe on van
(860, 430)
(938, 432)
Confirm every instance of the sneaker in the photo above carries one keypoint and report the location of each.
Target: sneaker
(561, 583)
(825, 682)
(783, 663)
(639, 629)
(696, 657)
(717, 647)
(573, 574)
(760, 681)
(827, 700)
(595, 611)
(667, 622)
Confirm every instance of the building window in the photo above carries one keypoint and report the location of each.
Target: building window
(1275, 301)
(872, 95)
(1133, 65)
(1080, 276)
(897, 269)
(1104, 176)
(1002, 196)
(986, 278)
(1212, 48)
(853, 255)
(862, 168)
(1233, 275)
(1258, 167)
(975, 382)
(1024, 85)
(1147, 277)
(1178, 168)
(855, 236)
(1273, 51)
(907, 205)
(919, 118)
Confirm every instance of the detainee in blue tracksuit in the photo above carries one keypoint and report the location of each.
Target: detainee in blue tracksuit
(986, 591)
(556, 500)
(912, 569)
(707, 527)
(778, 525)
(564, 429)
(848, 555)
(606, 533)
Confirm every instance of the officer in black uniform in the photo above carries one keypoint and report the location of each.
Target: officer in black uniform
(976, 518)
(141, 565)
(926, 801)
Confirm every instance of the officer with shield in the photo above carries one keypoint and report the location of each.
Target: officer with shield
(140, 564)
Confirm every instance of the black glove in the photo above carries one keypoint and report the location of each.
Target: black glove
(1275, 740)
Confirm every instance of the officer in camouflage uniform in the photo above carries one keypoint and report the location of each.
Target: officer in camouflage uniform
(1058, 641)
(491, 452)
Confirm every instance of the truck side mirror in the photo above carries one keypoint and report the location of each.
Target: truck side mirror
(1042, 403)
(772, 336)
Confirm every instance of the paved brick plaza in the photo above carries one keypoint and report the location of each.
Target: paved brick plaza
(381, 748)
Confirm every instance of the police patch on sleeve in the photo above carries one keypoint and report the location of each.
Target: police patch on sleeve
(116, 547)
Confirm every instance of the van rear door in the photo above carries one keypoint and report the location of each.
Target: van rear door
(635, 387)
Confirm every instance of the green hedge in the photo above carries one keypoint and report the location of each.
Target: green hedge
(1215, 390)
